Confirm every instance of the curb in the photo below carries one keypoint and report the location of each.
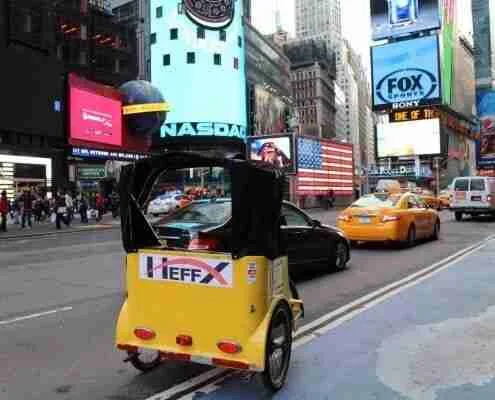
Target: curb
(65, 232)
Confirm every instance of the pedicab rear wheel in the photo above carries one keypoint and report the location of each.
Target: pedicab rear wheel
(278, 349)
(145, 361)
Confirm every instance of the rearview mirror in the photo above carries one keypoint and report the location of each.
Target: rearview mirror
(316, 223)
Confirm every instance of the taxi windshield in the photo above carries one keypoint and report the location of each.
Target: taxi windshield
(377, 200)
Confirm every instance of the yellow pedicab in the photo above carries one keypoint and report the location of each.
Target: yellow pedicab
(207, 283)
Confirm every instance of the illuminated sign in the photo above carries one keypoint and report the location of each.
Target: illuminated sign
(91, 172)
(105, 154)
(400, 171)
(413, 115)
(198, 63)
(406, 74)
(145, 108)
(276, 150)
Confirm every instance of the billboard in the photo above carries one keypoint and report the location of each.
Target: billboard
(198, 63)
(95, 113)
(406, 74)
(485, 100)
(277, 150)
(391, 18)
(411, 138)
(449, 41)
(270, 112)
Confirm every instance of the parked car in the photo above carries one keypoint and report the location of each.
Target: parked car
(204, 225)
(166, 203)
(473, 195)
(395, 217)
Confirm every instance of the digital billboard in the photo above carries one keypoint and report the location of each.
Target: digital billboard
(411, 138)
(95, 113)
(406, 74)
(198, 63)
(486, 113)
(277, 150)
(392, 18)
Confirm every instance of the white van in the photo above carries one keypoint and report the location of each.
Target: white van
(473, 195)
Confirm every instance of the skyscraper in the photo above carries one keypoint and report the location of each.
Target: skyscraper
(484, 43)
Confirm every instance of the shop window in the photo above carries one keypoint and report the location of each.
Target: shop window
(159, 12)
(217, 59)
(200, 33)
(153, 38)
(174, 34)
(166, 59)
(191, 57)
(222, 35)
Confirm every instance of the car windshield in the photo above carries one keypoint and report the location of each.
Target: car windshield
(206, 212)
(377, 200)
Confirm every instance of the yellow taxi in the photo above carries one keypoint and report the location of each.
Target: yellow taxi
(445, 198)
(389, 217)
(429, 198)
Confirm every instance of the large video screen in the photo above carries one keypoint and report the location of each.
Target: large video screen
(95, 113)
(277, 150)
(412, 138)
(486, 113)
(198, 63)
(406, 74)
(391, 18)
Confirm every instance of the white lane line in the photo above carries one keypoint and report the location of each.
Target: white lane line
(315, 329)
(33, 316)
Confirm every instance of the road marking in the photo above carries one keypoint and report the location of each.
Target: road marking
(33, 316)
(308, 332)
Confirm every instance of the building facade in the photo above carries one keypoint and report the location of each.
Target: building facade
(484, 41)
(313, 81)
(40, 43)
(136, 15)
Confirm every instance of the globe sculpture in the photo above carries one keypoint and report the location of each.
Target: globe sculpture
(144, 108)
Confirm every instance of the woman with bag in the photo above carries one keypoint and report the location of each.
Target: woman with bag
(61, 211)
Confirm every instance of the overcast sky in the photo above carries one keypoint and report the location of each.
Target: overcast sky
(355, 20)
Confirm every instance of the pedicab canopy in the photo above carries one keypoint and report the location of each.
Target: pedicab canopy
(256, 191)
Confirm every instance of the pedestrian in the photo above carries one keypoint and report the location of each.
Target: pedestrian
(4, 210)
(69, 203)
(357, 193)
(115, 204)
(330, 199)
(100, 206)
(83, 209)
(26, 200)
(61, 211)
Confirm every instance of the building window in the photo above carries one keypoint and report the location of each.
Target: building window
(153, 38)
(166, 59)
(159, 12)
(236, 63)
(217, 59)
(200, 33)
(191, 57)
(222, 35)
(174, 34)
(239, 41)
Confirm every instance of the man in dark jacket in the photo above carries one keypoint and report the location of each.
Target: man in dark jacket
(61, 210)
(26, 201)
(4, 210)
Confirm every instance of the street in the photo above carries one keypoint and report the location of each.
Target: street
(60, 295)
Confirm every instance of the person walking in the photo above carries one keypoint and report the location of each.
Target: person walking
(61, 211)
(69, 203)
(100, 206)
(4, 210)
(83, 209)
(27, 200)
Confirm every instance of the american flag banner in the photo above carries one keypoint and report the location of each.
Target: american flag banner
(324, 165)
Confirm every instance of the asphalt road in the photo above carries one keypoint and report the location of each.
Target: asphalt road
(70, 289)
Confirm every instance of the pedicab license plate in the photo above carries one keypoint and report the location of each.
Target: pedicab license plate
(365, 220)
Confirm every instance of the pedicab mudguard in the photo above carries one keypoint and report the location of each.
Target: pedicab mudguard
(242, 316)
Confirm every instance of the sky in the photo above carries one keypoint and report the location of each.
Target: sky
(355, 21)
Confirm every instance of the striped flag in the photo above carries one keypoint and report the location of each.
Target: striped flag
(324, 165)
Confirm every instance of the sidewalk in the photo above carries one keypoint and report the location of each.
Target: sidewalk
(432, 341)
(14, 231)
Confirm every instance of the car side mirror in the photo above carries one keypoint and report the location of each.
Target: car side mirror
(316, 223)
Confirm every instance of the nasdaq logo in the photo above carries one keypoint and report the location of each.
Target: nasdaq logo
(407, 85)
(203, 129)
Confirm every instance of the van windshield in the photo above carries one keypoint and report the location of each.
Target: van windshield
(462, 185)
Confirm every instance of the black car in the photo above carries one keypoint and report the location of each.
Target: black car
(204, 225)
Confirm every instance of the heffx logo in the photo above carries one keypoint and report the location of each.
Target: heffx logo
(406, 85)
(189, 270)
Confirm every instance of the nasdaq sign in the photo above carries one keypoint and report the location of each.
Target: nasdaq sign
(406, 74)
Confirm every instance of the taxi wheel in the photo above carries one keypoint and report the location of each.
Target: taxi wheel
(145, 361)
(411, 237)
(339, 261)
(278, 349)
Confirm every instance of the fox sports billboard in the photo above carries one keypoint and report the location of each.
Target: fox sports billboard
(406, 74)
(392, 18)
(198, 63)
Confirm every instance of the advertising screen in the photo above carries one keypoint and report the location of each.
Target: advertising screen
(271, 112)
(95, 113)
(391, 18)
(486, 113)
(412, 138)
(198, 64)
(276, 150)
(406, 74)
